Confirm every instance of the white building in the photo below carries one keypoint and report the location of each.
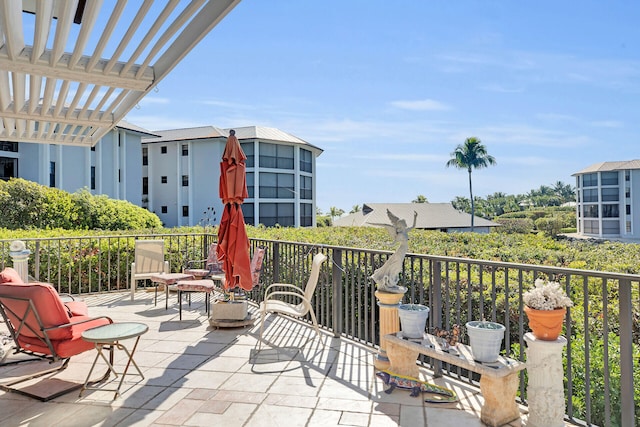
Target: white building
(181, 170)
(608, 199)
(111, 167)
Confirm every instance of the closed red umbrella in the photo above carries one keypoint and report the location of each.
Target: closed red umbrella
(233, 243)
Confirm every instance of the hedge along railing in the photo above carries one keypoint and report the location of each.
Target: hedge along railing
(602, 329)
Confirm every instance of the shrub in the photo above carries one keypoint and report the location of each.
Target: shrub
(515, 225)
(550, 226)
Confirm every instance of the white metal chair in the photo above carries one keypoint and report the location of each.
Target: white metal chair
(148, 261)
(272, 303)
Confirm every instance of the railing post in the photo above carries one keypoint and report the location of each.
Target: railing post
(36, 262)
(626, 355)
(336, 277)
(276, 262)
(436, 297)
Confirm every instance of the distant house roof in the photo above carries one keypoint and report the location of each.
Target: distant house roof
(245, 132)
(610, 166)
(431, 216)
(130, 126)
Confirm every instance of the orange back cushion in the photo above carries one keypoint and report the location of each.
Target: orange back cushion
(10, 275)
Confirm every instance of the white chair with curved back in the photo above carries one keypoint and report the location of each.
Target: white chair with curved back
(272, 302)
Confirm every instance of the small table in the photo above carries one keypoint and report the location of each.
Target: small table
(109, 337)
(167, 279)
(202, 285)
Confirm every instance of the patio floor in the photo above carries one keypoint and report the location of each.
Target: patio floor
(198, 376)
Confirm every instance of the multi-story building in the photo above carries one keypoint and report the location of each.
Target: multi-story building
(111, 167)
(181, 172)
(608, 199)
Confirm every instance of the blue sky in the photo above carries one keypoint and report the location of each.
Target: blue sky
(389, 89)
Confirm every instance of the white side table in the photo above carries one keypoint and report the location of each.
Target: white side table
(545, 388)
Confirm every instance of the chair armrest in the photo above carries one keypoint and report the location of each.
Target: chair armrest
(302, 297)
(195, 261)
(66, 325)
(282, 285)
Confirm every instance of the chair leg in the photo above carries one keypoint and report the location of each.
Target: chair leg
(262, 316)
(315, 325)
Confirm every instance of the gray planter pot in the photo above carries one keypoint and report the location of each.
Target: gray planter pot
(485, 339)
(413, 319)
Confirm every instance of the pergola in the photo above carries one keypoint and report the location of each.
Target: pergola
(70, 70)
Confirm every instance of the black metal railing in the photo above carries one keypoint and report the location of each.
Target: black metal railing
(602, 358)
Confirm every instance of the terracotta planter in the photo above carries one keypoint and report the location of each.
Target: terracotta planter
(545, 325)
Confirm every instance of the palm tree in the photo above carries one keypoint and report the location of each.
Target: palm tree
(420, 199)
(471, 155)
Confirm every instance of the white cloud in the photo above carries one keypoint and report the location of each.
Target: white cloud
(421, 105)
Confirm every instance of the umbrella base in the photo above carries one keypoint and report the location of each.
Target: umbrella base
(236, 310)
(227, 323)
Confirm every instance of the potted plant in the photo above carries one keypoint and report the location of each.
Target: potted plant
(413, 319)
(485, 339)
(546, 305)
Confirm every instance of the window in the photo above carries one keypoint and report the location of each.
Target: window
(277, 213)
(627, 175)
(185, 180)
(145, 185)
(93, 148)
(305, 187)
(163, 179)
(609, 178)
(9, 146)
(628, 227)
(276, 186)
(163, 209)
(610, 227)
(93, 177)
(185, 149)
(8, 168)
(163, 150)
(591, 227)
(591, 211)
(610, 211)
(185, 210)
(306, 160)
(145, 156)
(610, 194)
(276, 156)
(251, 185)
(590, 180)
(628, 209)
(590, 195)
(627, 193)
(306, 214)
(52, 174)
(247, 147)
(247, 212)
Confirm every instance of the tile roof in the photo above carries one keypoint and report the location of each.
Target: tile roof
(610, 166)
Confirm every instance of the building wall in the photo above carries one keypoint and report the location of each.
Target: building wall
(609, 203)
(275, 185)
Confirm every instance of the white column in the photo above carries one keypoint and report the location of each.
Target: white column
(545, 388)
(20, 256)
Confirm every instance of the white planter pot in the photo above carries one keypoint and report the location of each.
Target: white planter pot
(485, 339)
(413, 319)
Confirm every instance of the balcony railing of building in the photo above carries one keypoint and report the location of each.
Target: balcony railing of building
(602, 358)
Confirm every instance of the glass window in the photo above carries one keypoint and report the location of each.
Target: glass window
(590, 180)
(163, 179)
(8, 168)
(306, 160)
(10, 146)
(306, 214)
(276, 156)
(185, 210)
(145, 156)
(305, 187)
(276, 185)
(163, 150)
(52, 174)
(590, 195)
(610, 227)
(185, 180)
(247, 147)
(610, 194)
(93, 177)
(145, 185)
(251, 185)
(163, 209)
(628, 226)
(627, 175)
(610, 211)
(185, 149)
(628, 209)
(591, 211)
(277, 213)
(591, 227)
(247, 212)
(609, 178)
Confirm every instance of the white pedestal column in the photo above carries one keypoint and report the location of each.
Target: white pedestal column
(545, 388)
(20, 256)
